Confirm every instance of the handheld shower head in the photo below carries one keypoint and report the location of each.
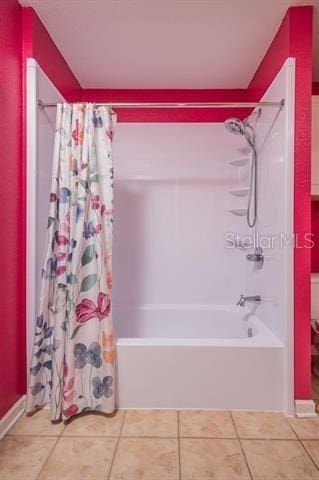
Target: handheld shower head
(236, 126)
(243, 127)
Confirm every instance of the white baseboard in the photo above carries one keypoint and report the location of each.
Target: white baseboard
(305, 408)
(10, 418)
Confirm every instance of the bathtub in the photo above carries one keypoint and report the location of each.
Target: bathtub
(199, 357)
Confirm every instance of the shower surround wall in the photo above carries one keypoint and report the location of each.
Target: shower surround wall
(274, 225)
(172, 185)
(40, 143)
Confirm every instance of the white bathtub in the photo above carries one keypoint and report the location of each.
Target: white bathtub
(196, 357)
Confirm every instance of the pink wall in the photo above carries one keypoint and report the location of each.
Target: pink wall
(294, 39)
(21, 35)
(12, 199)
(38, 44)
(315, 231)
(170, 115)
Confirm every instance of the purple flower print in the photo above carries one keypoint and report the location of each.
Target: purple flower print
(88, 230)
(94, 355)
(64, 194)
(91, 355)
(97, 120)
(80, 352)
(79, 212)
(102, 387)
(36, 388)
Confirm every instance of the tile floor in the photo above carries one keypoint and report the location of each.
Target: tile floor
(162, 445)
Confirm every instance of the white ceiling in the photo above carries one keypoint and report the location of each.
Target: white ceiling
(165, 43)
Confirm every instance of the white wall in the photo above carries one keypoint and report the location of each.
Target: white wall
(275, 203)
(275, 136)
(40, 140)
(172, 185)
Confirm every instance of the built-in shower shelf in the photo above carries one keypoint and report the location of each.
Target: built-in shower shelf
(240, 192)
(240, 212)
(240, 162)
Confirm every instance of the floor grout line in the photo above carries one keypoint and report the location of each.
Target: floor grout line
(296, 433)
(49, 456)
(241, 446)
(312, 439)
(116, 447)
(53, 448)
(308, 454)
(179, 447)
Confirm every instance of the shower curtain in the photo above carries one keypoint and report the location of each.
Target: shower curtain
(72, 365)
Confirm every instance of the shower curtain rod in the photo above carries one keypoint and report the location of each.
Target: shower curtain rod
(42, 105)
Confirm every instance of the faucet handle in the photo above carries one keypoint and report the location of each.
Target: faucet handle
(241, 299)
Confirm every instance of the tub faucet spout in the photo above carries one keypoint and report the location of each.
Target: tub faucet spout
(243, 299)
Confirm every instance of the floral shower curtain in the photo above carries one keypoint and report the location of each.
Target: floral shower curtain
(72, 365)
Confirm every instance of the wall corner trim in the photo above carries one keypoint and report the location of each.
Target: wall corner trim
(12, 416)
(305, 408)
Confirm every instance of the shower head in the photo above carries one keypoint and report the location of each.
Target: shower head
(236, 126)
(241, 127)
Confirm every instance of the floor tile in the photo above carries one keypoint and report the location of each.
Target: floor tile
(79, 458)
(279, 460)
(312, 447)
(37, 424)
(21, 457)
(212, 459)
(262, 425)
(205, 423)
(146, 459)
(95, 425)
(152, 423)
(306, 428)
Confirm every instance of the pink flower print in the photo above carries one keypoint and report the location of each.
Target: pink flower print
(61, 240)
(77, 134)
(69, 394)
(97, 229)
(72, 410)
(61, 269)
(86, 310)
(106, 210)
(95, 199)
(110, 134)
(103, 304)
